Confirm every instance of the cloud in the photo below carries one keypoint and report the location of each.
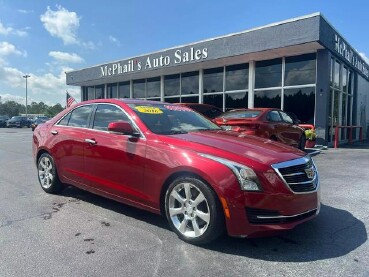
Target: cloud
(365, 57)
(63, 57)
(11, 31)
(25, 11)
(7, 49)
(61, 24)
(115, 40)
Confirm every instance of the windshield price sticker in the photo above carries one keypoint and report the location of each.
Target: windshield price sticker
(177, 108)
(150, 110)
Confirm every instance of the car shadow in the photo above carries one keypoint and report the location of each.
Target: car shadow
(333, 233)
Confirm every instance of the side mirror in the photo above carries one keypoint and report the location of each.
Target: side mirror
(122, 127)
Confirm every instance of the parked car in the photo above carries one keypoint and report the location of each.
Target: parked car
(207, 110)
(3, 120)
(18, 121)
(37, 121)
(170, 160)
(268, 123)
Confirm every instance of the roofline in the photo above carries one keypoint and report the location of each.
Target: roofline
(215, 38)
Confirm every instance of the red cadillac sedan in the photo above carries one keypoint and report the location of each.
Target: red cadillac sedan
(269, 123)
(170, 160)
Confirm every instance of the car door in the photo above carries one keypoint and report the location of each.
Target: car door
(290, 131)
(67, 144)
(114, 163)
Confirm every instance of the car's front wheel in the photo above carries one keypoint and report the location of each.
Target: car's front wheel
(47, 174)
(193, 211)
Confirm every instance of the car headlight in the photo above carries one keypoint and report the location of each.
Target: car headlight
(245, 175)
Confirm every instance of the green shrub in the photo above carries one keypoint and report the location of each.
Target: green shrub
(310, 134)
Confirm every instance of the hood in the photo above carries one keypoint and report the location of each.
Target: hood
(226, 144)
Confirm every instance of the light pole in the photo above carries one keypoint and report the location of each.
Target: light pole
(26, 77)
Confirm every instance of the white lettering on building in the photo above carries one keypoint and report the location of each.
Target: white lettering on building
(344, 50)
(181, 56)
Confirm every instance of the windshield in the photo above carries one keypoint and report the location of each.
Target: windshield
(241, 114)
(167, 119)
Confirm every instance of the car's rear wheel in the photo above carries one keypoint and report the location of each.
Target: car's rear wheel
(302, 142)
(193, 211)
(47, 174)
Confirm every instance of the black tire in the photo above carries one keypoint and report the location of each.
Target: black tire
(193, 211)
(48, 175)
(302, 142)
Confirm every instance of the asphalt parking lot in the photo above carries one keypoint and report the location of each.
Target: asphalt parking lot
(80, 234)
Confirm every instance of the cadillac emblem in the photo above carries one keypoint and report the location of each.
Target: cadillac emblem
(310, 172)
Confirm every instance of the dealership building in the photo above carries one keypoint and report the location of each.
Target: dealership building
(302, 65)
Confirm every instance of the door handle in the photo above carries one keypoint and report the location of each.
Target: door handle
(91, 141)
(54, 132)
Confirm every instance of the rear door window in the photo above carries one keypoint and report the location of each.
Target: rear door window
(79, 116)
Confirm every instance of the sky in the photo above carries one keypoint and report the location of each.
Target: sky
(44, 38)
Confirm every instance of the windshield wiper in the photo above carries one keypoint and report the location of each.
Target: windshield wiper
(176, 132)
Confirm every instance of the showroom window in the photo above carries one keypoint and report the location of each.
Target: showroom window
(112, 90)
(268, 73)
(139, 88)
(300, 102)
(153, 87)
(237, 77)
(300, 70)
(213, 80)
(124, 90)
(172, 85)
(267, 98)
(190, 83)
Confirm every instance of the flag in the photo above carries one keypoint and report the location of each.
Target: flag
(70, 99)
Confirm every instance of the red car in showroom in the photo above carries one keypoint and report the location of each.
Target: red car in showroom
(268, 123)
(170, 160)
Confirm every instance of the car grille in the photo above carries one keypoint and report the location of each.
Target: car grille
(300, 175)
(260, 216)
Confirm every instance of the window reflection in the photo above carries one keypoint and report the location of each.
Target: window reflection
(139, 88)
(268, 73)
(99, 92)
(214, 99)
(112, 91)
(124, 90)
(300, 70)
(189, 99)
(190, 83)
(105, 114)
(301, 102)
(267, 99)
(236, 100)
(213, 80)
(237, 77)
(153, 87)
(79, 116)
(171, 85)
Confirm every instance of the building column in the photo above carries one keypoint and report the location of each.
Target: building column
(251, 84)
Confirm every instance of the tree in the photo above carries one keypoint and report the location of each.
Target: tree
(11, 108)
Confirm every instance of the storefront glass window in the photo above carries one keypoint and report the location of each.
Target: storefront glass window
(214, 99)
(268, 73)
(139, 88)
(190, 83)
(350, 82)
(300, 70)
(236, 100)
(90, 93)
(213, 80)
(301, 102)
(171, 85)
(99, 92)
(124, 90)
(189, 99)
(237, 77)
(112, 91)
(172, 99)
(336, 78)
(153, 87)
(267, 99)
(344, 79)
